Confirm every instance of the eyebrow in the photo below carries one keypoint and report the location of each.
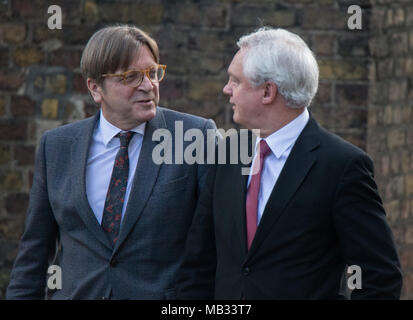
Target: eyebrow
(232, 75)
(152, 65)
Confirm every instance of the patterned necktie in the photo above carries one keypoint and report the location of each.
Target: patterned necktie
(253, 192)
(112, 211)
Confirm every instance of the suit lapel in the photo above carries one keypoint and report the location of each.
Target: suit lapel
(296, 168)
(238, 206)
(79, 156)
(144, 180)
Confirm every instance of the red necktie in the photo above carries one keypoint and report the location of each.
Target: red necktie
(253, 192)
(112, 211)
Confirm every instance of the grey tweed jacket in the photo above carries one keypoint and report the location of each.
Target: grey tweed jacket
(61, 228)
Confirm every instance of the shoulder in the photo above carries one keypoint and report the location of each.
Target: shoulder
(329, 142)
(188, 120)
(338, 151)
(70, 131)
(336, 144)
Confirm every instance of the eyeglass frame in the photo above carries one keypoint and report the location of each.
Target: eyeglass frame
(145, 72)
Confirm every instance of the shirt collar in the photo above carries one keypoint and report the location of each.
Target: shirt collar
(109, 131)
(283, 138)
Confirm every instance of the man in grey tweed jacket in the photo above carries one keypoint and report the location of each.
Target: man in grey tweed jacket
(73, 168)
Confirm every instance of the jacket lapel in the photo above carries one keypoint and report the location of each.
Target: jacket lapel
(79, 156)
(238, 207)
(297, 166)
(144, 180)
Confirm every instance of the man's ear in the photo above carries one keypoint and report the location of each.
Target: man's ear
(95, 90)
(270, 92)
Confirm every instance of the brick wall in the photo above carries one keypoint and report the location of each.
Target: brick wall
(389, 123)
(365, 83)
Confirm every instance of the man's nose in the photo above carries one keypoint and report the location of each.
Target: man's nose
(226, 90)
(146, 84)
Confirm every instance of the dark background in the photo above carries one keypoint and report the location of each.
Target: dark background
(365, 93)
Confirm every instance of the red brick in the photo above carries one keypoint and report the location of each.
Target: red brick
(17, 203)
(24, 155)
(215, 16)
(171, 89)
(42, 33)
(71, 10)
(409, 234)
(385, 165)
(4, 57)
(406, 259)
(313, 19)
(11, 79)
(38, 9)
(26, 56)
(398, 234)
(4, 12)
(30, 174)
(408, 285)
(250, 15)
(324, 45)
(91, 109)
(13, 130)
(23, 8)
(352, 94)
(12, 33)
(77, 35)
(324, 93)
(66, 58)
(22, 106)
(352, 45)
(5, 154)
(12, 228)
(358, 139)
(342, 118)
(79, 84)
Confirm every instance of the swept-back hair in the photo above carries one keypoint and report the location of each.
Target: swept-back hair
(283, 58)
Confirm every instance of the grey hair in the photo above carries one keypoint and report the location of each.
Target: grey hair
(283, 58)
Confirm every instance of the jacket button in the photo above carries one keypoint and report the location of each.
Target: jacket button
(114, 262)
(246, 271)
(104, 298)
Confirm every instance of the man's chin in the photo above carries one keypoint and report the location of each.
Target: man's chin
(239, 122)
(235, 118)
(150, 114)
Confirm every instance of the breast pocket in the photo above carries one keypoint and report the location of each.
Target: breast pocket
(174, 185)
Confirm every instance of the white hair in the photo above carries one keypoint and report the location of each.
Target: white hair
(283, 58)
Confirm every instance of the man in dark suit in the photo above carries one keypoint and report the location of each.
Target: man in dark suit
(112, 217)
(308, 209)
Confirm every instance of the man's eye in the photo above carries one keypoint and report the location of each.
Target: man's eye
(153, 73)
(131, 76)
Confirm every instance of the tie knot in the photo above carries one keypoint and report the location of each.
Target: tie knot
(264, 149)
(125, 138)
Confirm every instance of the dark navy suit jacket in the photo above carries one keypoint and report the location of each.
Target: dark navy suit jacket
(324, 213)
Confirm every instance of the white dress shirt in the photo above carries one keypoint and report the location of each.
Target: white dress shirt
(280, 142)
(102, 153)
